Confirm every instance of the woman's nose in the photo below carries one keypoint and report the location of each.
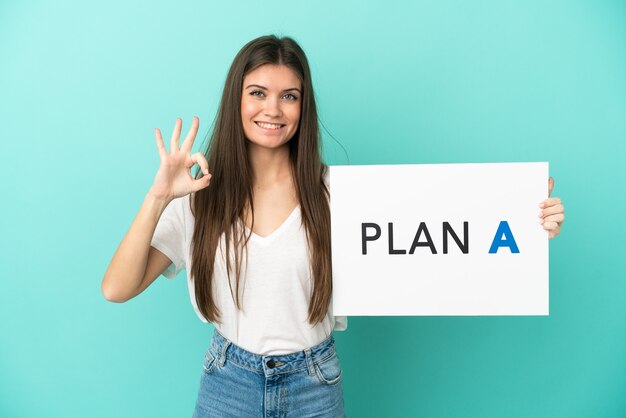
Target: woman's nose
(272, 107)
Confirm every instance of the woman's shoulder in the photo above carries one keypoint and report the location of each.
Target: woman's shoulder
(183, 205)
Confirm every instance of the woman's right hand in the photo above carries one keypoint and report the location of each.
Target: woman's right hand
(173, 179)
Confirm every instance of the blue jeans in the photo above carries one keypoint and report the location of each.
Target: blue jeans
(238, 383)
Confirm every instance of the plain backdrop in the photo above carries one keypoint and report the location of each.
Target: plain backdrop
(84, 84)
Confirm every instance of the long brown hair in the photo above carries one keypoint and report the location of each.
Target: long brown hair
(220, 208)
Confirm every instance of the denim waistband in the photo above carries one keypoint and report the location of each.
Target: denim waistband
(224, 349)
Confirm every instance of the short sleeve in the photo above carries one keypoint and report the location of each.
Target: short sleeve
(169, 237)
(341, 323)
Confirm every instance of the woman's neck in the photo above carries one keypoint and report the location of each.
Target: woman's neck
(269, 166)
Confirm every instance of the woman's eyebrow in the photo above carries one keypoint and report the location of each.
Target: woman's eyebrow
(265, 88)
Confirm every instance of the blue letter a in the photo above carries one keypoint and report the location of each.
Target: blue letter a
(508, 241)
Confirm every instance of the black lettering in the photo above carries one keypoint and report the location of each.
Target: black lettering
(428, 243)
(365, 237)
(463, 246)
(391, 249)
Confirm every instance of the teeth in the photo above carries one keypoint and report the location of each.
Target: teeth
(268, 125)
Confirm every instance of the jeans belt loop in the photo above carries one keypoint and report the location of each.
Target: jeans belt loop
(222, 358)
(309, 361)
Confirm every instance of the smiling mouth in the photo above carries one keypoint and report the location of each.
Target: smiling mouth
(265, 125)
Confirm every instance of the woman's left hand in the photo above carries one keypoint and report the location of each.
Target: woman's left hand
(551, 215)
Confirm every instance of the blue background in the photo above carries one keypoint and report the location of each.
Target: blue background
(83, 85)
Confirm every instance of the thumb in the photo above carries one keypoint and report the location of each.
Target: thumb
(201, 183)
(550, 186)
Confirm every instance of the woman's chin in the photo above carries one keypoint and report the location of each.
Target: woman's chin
(267, 143)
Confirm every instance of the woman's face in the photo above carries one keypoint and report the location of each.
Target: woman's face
(270, 105)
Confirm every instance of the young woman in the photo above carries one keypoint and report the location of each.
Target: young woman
(253, 230)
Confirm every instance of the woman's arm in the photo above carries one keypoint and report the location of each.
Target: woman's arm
(135, 264)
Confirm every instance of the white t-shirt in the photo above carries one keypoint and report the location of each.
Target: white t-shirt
(274, 291)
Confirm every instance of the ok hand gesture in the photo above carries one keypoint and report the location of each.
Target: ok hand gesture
(173, 179)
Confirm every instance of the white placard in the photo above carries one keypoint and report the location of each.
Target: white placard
(391, 225)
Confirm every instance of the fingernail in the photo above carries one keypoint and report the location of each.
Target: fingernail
(541, 204)
(541, 214)
(205, 171)
(541, 221)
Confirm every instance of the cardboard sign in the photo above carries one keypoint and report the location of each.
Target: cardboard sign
(439, 239)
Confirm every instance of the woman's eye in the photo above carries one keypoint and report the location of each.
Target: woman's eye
(288, 96)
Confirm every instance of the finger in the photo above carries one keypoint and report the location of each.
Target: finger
(191, 135)
(559, 218)
(554, 232)
(552, 210)
(550, 202)
(550, 186)
(160, 143)
(201, 183)
(176, 135)
(550, 225)
(205, 180)
(200, 159)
